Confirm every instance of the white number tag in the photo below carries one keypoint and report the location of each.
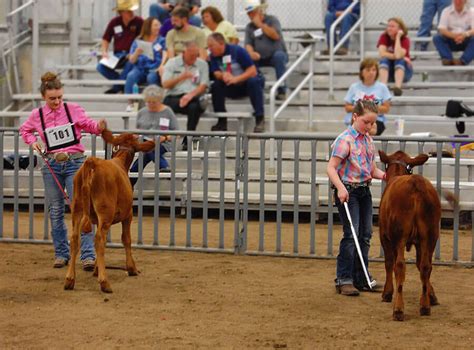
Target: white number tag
(157, 47)
(258, 32)
(227, 59)
(60, 135)
(164, 124)
(118, 29)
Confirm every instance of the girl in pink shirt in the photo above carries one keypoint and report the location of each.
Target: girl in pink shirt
(59, 126)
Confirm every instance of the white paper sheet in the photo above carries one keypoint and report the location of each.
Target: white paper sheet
(147, 48)
(110, 61)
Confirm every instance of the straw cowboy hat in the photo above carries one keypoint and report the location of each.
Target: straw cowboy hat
(252, 5)
(126, 5)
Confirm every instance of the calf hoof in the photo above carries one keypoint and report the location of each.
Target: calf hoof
(433, 300)
(386, 298)
(132, 272)
(105, 287)
(398, 315)
(425, 311)
(69, 284)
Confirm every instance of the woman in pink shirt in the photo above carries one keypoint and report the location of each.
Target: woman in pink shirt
(59, 126)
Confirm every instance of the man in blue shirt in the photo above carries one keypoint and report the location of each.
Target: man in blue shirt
(235, 76)
(335, 9)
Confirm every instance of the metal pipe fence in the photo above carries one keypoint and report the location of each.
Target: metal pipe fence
(219, 195)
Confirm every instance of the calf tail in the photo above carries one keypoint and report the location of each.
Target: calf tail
(451, 198)
(88, 173)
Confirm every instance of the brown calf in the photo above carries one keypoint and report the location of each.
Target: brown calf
(103, 196)
(410, 213)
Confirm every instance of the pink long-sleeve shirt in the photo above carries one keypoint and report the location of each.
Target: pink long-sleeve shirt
(58, 117)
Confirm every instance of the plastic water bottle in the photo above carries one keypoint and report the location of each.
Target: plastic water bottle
(135, 89)
(135, 92)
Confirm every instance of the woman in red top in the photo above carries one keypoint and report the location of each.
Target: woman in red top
(394, 51)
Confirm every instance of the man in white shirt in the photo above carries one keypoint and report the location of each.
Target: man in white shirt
(456, 33)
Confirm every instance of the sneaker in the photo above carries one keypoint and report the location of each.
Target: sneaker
(446, 62)
(219, 127)
(397, 91)
(129, 108)
(347, 289)
(59, 263)
(281, 96)
(88, 264)
(342, 51)
(260, 127)
(365, 288)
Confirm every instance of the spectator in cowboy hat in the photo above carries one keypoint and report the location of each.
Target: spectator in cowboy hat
(264, 41)
(123, 30)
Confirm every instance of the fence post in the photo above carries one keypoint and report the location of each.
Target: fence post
(238, 234)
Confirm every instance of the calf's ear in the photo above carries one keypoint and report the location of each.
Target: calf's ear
(146, 146)
(108, 137)
(383, 157)
(418, 160)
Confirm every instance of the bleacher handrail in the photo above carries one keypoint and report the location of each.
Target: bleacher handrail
(332, 31)
(13, 44)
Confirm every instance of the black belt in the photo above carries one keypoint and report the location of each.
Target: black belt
(357, 184)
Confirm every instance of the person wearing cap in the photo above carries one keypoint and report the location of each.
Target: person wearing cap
(163, 8)
(264, 41)
(235, 76)
(123, 30)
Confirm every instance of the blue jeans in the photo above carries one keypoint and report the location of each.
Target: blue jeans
(64, 172)
(349, 269)
(147, 158)
(162, 15)
(430, 8)
(278, 61)
(112, 74)
(392, 65)
(252, 87)
(140, 76)
(446, 46)
(346, 25)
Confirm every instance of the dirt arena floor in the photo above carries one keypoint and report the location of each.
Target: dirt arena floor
(187, 300)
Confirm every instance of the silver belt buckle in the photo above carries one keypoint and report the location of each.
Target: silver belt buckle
(61, 157)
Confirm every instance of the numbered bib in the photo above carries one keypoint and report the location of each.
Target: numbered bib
(164, 124)
(118, 29)
(227, 59)
(157, 47)
(60, 136)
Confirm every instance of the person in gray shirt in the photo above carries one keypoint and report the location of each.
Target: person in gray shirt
(264, 41)
(155, 116)
(162, 10)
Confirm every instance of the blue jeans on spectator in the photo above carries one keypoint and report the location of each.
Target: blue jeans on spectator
(278, 61)
(147, 158)
(140, 76)
(252, 88)
(64, 172)
(446, 46)
(349, 269)
(162, 14)
(430, 8)
(112, 74)
(345, 26)
(393, 65)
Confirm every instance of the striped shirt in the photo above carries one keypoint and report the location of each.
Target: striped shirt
(357, 152)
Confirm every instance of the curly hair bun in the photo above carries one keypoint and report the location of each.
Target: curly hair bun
(48, 76)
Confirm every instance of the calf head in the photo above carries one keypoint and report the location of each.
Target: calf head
(125, 146)
(400, 163)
